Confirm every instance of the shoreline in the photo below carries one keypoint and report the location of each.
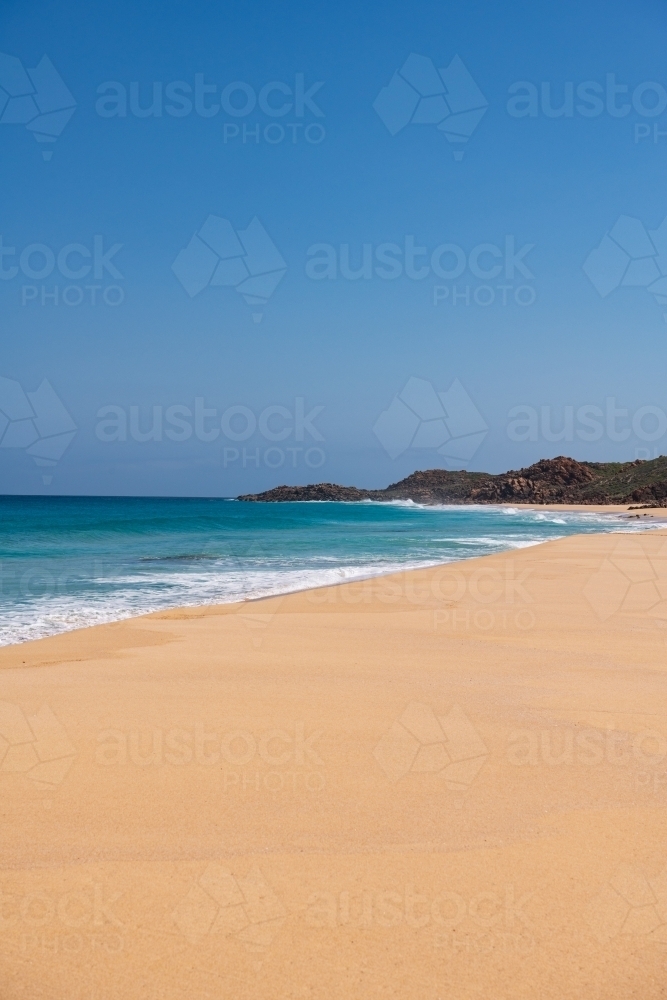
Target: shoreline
(623, 510)
(617, 511)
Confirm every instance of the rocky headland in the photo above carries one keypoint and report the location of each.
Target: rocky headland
(551, 480)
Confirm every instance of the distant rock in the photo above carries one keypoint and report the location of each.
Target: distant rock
(318, 491)
(551, 480)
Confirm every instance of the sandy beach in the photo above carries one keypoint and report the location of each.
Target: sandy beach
(446, 783)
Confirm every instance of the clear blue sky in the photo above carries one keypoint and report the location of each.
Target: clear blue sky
(327, 171)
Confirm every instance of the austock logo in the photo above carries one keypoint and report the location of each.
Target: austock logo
(75, 262)
(420, 417)
(591, 99)
(36, 422)
(491, 912)
(629, 256)
(631, 582)
(420, 94)
(243, 908)
(630, 906)
(180, 423)
(36, 98)
(419, 741)
(589, 422)
(237, 100)
(64, 921)
(221, 257)
(35, 745)
(485, 262)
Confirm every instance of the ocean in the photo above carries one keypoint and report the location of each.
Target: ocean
(68, 562)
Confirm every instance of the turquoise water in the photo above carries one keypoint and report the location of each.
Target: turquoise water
(67, 562)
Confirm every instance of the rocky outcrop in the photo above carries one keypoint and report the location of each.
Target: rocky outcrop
(556, 480)
(317, 491)
(551, 480)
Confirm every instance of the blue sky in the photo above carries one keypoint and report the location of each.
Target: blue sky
(325, 177)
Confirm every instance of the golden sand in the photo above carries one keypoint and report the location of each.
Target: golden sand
(439, 785)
